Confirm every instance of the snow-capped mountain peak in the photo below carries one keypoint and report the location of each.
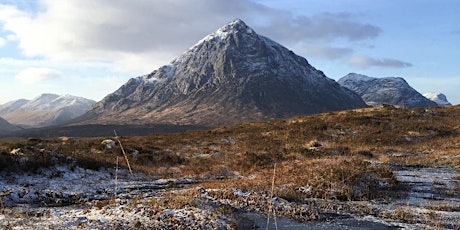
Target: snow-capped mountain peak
(222, 33)
(46, 109)
(439, 98)
(232, 75)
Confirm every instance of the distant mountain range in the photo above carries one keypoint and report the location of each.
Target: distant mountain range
(439, 98)
(44, 110)
(388, 90)
(231, 76)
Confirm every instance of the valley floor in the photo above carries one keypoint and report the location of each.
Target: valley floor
(376, 168)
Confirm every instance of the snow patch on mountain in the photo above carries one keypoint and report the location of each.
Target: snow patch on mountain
(358, 77)
(439, 98)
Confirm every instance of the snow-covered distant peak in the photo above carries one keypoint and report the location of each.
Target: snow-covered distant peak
(46, 109)
(49, 101)
(357, 77)
(386, 90)
(70, 100)
(439, 98)
(45, 97)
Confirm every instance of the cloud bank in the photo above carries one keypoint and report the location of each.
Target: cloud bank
(149, 33)
(38, 75)
(366, 62)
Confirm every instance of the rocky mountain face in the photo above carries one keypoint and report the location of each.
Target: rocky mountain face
(6, 127)
(388, 90)
(44, 110)
(232, 75)
(439, 98)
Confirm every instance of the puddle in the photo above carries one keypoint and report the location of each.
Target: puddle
(259, 221)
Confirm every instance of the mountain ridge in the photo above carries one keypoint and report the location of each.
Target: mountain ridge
(387, 90)
(44, 110)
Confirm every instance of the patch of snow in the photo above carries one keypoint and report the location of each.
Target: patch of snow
(358, 77)
(230, 141)
(439, 98)
(238, 192)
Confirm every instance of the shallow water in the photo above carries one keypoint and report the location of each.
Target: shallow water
(337, 224)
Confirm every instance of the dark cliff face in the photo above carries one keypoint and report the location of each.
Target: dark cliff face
(389, 90)
(233, 75)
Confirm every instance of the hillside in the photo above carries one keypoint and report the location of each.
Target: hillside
(6, 127)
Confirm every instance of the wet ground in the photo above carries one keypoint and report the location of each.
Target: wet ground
(346, 223)
(430, 186)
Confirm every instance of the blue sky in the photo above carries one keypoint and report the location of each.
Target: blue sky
(90, 48)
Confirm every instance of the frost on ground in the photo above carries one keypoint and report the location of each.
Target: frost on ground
(66, 195)
(77, 198)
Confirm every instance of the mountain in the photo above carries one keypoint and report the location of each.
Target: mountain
(44, 110)
(6, 127)
(388, 90)
(230, 76)
(439, 98)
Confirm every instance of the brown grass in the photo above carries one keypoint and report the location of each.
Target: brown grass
(329, 153)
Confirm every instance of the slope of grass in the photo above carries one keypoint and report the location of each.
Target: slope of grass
(331, 155)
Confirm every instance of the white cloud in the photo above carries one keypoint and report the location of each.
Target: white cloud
(2, 41)
(11, 37)
(86, 79)
(320, 27)
(122, 32)
(38, 75)
(366, 62)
